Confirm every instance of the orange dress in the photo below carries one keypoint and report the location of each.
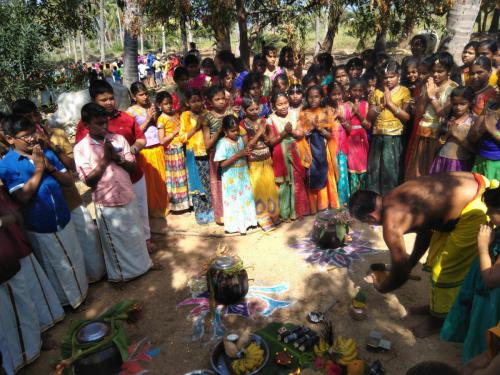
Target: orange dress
(322, 173)
(152, 162)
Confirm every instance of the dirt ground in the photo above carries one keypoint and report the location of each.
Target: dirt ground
(273, 262)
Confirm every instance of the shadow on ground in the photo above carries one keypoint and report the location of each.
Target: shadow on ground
(271, 261)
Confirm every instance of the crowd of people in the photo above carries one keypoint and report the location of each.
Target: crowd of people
(155, 69)
(242, 147)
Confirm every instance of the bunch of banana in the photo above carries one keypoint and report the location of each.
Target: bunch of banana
(346, 349)
(321, 348)
(252, 358)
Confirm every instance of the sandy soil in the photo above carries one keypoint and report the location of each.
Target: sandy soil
(273, 262)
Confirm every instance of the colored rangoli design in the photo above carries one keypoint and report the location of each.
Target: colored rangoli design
(341, 257)
(258, 302)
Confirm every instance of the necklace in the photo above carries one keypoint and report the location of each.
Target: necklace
(482, 89)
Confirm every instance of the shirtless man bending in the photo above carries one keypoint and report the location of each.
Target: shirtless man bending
(445, 210)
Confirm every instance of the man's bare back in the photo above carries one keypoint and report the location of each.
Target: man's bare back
(430, 202)
(426, 205)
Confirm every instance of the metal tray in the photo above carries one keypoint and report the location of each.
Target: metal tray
(221, 363)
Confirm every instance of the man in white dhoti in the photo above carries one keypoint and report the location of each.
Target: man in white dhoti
(56, 140)
(6, 365)
(33, 176)
(20, 341)
(125, 125)
(43, 295)
(104, 162)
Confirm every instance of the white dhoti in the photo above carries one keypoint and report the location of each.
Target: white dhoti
(88, 236)
(61, 257)
(7, 362)
(19, 323)
(142, 203)
(47, 304)
(123, 242)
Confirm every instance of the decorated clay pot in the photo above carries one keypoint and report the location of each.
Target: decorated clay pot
(227, 280)
(328, 232)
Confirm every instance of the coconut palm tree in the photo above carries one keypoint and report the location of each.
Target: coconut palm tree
(102, 30)
(459, 25)
(132, 20)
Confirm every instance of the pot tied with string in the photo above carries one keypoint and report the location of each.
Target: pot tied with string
(227, 280)
(330, 228)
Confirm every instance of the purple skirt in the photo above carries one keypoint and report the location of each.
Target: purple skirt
(442, 164)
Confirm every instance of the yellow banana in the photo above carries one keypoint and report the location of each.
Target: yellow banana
(321, 348)
(253, 358)
(236, 366)
(349, 346)
(242, 367)
(346, 347)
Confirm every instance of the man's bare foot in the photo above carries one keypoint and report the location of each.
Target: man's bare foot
(479, 362)
(429, 327)
(419, 310)
(85, 304)
(48, 343)
(156, 267)
(151, 247)
(120, 285)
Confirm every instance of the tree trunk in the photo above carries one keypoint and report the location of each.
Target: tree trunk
(183, 33)
(317, 27)
(241, 15)
(82, 47)
(479, 23)
(120, 28)
(380, 41)
(102, 30)
(225, 42)
(75, 54)
(163, 40)
(459, 25)
(485, 19)
(107, 42)
(189, 29)
(130, 71)
(494, 21)
(220, 22)
(141, 38)
(68, 50)
(131, 26)
(334, 13)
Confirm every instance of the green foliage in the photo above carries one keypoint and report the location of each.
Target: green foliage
(288, 16)
(57, 17)
(161, 11)
(21, 47)
(29, 30)
(72, 79)
(396, 17)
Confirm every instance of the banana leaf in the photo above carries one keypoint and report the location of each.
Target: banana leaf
(300, 359)
(72, 350)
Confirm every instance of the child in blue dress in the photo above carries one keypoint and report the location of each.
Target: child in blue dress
(237, 195)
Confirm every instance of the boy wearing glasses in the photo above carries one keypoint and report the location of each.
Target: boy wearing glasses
(55, 140)
(34, 177)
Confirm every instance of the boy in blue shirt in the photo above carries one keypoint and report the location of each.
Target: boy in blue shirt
(33, 177)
